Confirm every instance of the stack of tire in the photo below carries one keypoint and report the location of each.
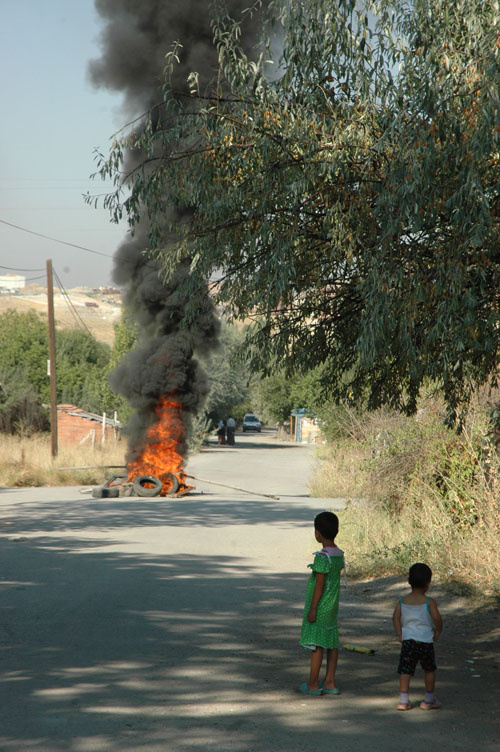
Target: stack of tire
(147, 486)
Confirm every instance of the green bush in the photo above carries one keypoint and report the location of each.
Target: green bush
(21, 410)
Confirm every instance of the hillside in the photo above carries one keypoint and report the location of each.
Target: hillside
(97, 310)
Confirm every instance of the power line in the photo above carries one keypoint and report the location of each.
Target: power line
(32, 279)
(132, 262)
(13, 269)
(69, 302)
(45, 179)
(55, 240)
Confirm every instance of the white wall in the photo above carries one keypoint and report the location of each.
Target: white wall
(12, 281)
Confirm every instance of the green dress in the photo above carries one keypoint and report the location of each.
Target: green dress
(323, 632)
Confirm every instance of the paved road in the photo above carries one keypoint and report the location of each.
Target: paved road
(145, 625)
(257, 462)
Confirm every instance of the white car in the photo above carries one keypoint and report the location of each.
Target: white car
(251, 423)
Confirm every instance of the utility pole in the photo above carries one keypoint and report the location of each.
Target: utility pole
(52, 360)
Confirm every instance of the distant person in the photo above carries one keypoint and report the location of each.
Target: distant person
(231, 428)
(221, 432)
(319, 626)
(418, 624)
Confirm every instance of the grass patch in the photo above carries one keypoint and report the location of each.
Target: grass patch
(28, 462)
(430, 495)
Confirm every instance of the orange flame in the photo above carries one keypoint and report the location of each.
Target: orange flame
(160, 454)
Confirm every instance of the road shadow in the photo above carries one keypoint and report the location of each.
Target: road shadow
(87, 661)
(133, 652)
(115, 514)
(267, 439)
(241, 446)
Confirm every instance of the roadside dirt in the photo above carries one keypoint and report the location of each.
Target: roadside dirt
(142, 625)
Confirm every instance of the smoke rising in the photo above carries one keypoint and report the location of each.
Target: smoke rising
(135, 39)
(163, 361)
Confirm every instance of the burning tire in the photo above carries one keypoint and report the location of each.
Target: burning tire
(147, 485)
(171, 483)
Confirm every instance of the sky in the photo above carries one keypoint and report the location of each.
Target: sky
(52, 121)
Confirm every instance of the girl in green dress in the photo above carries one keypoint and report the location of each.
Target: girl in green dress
(319, 627)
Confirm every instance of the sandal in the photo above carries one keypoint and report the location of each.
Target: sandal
(326, 691)
(408, 706)
(304, 689)
(434, 705)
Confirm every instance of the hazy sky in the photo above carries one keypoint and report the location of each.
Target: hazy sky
(52, 119)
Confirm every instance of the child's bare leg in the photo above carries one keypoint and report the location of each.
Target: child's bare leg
(332, 656)
(430, 702)
(404, 682)
(404, 688)
(316, 660)
(430, 681)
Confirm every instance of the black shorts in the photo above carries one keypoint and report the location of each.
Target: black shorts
(412, 652)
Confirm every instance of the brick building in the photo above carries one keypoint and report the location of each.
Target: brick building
(77, 426)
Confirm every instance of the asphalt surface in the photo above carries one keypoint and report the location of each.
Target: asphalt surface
(131, 625)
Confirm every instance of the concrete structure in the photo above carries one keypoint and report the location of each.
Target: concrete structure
(10, 282)
(77, 426)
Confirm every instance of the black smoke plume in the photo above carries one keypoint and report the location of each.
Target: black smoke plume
(136, 36)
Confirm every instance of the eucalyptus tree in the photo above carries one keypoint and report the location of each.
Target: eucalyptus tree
(344, 196)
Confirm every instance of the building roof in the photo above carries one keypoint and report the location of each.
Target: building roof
(79, 413)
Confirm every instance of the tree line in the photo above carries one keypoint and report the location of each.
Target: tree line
(83, 365)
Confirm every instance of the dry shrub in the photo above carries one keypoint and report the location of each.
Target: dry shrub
(28, 462)
(338, 472)
(377, 542)
(347, 467)
(434, 495)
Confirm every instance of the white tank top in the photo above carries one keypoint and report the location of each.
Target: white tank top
(416, 622)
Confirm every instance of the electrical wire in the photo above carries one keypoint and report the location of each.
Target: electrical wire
(13, 269)
(32, 279)
(54, 240)
(69, 302)
(132, 262)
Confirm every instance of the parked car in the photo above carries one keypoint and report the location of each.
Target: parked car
(251, 423)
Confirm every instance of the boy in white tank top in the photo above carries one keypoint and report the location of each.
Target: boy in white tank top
(418, 624)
